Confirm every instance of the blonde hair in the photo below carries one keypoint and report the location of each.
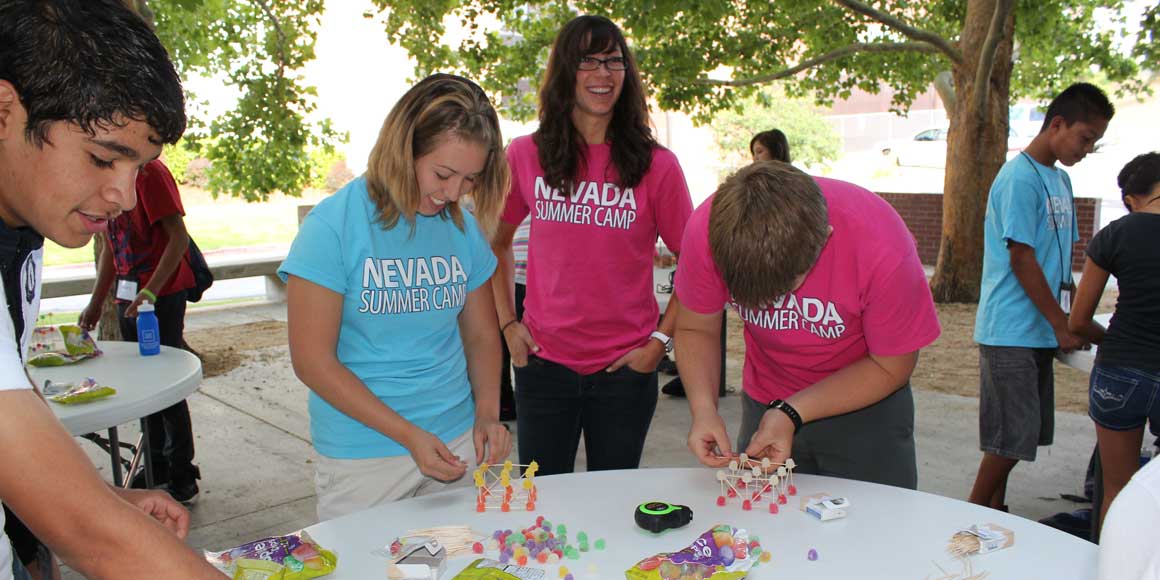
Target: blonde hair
(439, 107)
(767, 227)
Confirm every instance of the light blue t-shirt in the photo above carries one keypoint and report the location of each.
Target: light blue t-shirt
(1017, 210)
(402, 295)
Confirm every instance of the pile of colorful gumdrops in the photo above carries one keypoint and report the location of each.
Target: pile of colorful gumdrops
(541, 542)
(722, 553)
(753, 480)
(488, 484)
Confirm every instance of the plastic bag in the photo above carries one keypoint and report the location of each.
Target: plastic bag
(69, 394)
(63, 344)
(290, 557)
(722, 553)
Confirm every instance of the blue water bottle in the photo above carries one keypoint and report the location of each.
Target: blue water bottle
(148, 333)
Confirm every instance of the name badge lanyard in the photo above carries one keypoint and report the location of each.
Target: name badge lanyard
(1065, 288)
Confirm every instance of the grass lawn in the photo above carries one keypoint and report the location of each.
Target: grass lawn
(218, 223)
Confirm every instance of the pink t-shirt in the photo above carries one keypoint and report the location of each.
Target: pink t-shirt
(867, 294)
(590, 257)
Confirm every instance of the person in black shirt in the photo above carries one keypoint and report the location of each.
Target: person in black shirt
(1124, 391)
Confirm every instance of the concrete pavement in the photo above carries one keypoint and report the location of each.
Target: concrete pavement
(253, 445)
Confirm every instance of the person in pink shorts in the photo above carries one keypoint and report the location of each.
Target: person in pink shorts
(836, 307)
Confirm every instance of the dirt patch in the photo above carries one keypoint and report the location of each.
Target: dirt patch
(951, 364)
(225, 349)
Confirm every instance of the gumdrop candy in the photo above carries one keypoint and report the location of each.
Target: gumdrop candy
(727, 556)
(746, 505)
(720, 500)
(600, 544)
(582, 538)
(772, 508)
(546, 525)
(563, 571)
(669, 570)
(505, 507)
(732, 492)
(765, 557)
(793, 490)
(650, 563)
(812, 555)
(722, 539)
(504, 557)
(539, 520)
(781, 499)
(542, 557)
(477, 548)
(522, 560)
(561, 530)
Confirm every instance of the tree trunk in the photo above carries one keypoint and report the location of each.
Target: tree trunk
(976, 149)
(109, 328)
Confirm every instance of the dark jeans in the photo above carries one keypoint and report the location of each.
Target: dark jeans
(506, 392)
(555, 405)
(170, 430)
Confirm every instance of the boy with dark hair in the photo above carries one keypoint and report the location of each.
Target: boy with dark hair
(76, 123)
(827, 279)
(1026, 288)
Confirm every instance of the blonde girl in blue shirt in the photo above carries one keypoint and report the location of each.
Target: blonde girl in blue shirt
(391, 319)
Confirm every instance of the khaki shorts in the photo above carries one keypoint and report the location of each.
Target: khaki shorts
(346, 486)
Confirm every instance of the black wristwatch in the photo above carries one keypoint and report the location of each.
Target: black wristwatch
(789, 411)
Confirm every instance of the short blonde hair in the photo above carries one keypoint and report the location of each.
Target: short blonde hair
(439, 107)
(767, 227)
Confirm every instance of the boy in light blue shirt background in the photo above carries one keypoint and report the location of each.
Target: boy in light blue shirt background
(1027, 287)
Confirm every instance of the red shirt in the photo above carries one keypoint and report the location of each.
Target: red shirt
(137, 237)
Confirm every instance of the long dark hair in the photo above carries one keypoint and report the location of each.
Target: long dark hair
(561, 146)
(775, 142)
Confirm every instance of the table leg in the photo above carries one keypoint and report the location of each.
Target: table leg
(115, 454)
(147, 456)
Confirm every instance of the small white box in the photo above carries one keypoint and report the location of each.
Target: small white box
(825, 507)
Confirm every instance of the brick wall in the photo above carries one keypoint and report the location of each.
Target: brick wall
(922, 213)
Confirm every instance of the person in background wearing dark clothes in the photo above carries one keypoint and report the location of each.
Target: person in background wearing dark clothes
(1125, 380)
(145, 256)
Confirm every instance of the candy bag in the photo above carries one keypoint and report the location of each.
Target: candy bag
(291, 557)
(69, 394)
(64, 344)
(722, 553)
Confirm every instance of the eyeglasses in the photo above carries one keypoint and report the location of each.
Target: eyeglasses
(612, 63)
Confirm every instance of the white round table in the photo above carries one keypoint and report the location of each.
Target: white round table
(889, 532)
(145, 385)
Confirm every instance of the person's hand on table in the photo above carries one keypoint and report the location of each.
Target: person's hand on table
(519, 342)
(709, 441)
(774, 437)
(491, 435)
(160, 506)
(140, 298)
(1069, 341)
(643, 360)
(89, 317)
(434, 458)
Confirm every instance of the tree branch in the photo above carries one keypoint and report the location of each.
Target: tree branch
(907, 30)
(987, 56)
(829, 56)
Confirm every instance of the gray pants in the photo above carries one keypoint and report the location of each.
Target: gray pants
(874, 444)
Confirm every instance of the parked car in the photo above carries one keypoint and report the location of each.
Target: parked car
(928, 148)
